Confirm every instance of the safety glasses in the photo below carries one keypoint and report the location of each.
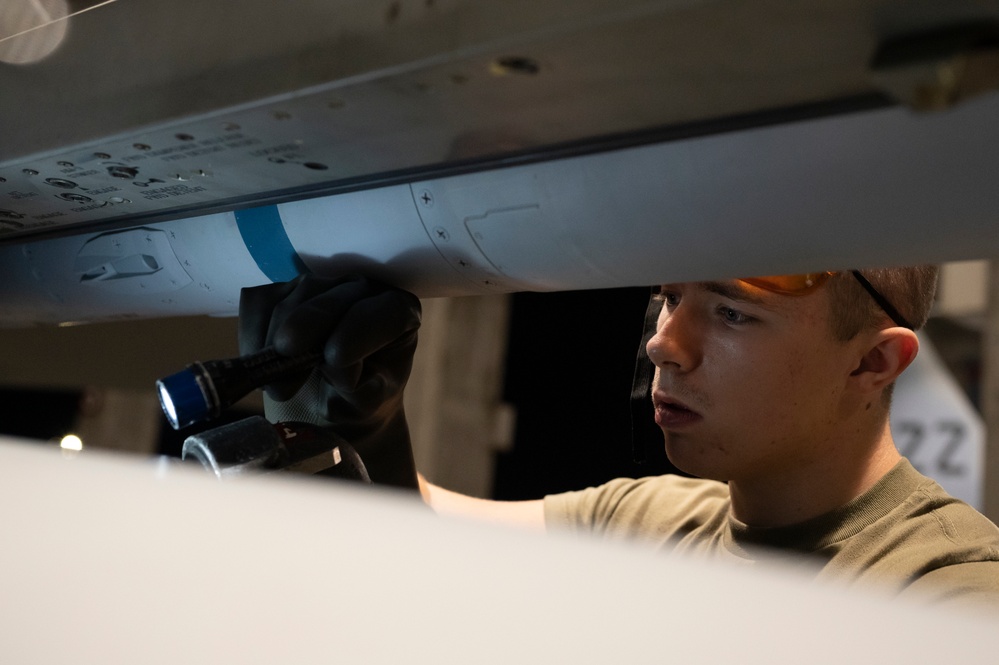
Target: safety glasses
(799, 285)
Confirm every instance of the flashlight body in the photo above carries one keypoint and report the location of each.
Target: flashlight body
(203, 389)
(254, 446)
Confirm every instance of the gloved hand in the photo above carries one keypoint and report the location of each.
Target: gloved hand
(367, 332)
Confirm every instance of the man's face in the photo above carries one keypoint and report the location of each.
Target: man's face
(748, 382)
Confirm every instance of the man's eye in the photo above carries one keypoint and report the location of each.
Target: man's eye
(733, 315)
(670, 298)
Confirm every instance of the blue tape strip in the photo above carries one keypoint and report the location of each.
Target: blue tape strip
(264, 236)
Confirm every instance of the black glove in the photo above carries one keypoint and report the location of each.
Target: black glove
(367, 332)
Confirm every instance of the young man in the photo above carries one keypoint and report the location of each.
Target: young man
(774, 392)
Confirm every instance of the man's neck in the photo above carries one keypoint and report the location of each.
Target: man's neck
(807, 491)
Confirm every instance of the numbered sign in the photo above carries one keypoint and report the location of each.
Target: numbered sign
(937, 428)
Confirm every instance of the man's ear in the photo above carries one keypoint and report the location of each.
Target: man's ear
(887, 353)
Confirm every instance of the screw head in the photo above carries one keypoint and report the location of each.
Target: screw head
(517, 65)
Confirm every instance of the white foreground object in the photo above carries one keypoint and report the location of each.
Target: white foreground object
(107, 560)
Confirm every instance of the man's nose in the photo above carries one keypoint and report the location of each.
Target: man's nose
(675, 344)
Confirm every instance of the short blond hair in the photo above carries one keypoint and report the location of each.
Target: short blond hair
(910, 289)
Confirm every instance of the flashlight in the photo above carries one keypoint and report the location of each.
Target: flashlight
(203, 389)
(253, 446)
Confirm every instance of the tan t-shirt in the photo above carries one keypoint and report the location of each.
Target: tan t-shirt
(905, 533)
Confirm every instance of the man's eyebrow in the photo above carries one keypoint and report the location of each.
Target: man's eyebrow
(732, 291)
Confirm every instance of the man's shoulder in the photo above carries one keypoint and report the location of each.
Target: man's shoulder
(930, 512)
(957, 520)
(928, 543)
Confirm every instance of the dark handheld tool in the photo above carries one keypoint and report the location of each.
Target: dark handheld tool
(202, 390)
(254, 446)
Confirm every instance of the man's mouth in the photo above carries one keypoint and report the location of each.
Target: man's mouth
(671, 413)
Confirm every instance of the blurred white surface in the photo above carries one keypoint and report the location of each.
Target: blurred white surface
(119, 560)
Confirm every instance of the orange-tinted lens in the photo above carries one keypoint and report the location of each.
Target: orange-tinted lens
(790, 284)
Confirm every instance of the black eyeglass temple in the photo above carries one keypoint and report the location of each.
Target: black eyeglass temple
(888, 308)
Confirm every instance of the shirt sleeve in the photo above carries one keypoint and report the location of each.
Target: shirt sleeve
(653, 507)
(586, 510)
